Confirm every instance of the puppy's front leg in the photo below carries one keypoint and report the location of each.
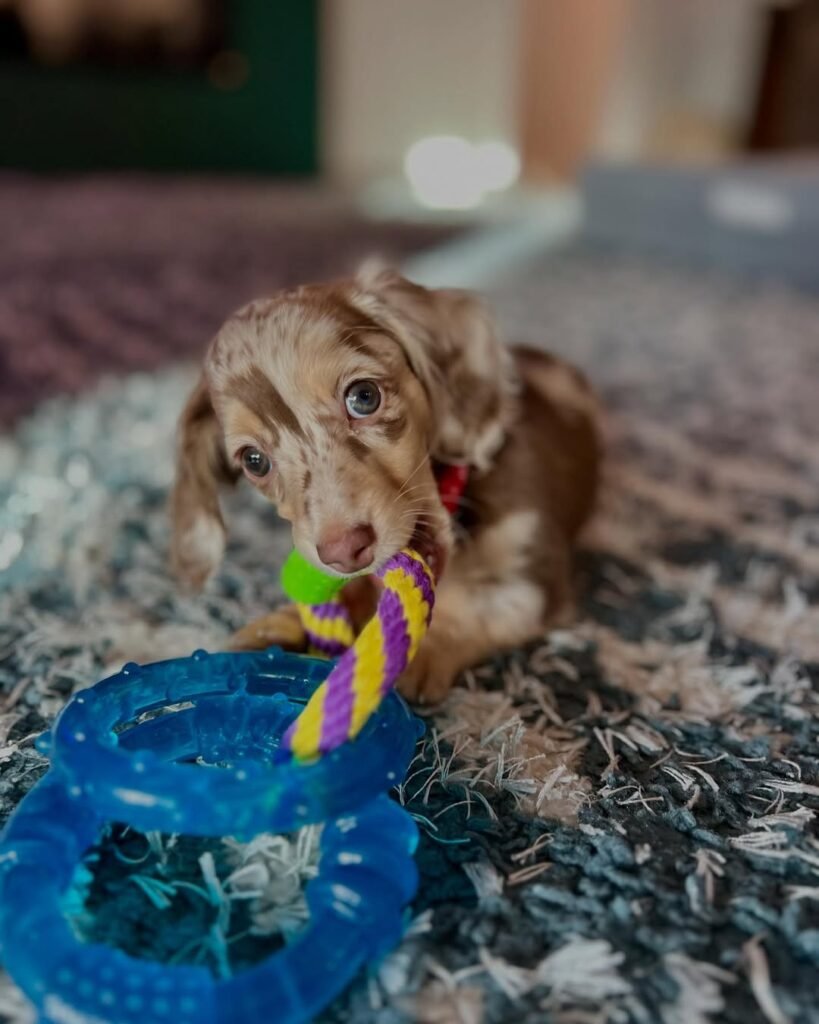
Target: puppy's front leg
(281, 627)
(469, 623)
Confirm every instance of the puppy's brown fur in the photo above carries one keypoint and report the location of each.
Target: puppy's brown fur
(275, 377)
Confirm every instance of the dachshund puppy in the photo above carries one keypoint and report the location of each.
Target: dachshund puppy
(341, 403)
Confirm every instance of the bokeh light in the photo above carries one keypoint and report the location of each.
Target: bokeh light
(450, 172)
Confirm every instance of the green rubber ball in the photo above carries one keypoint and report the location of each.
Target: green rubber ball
(305, 584)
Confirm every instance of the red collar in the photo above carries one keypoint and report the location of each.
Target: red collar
(452, 481)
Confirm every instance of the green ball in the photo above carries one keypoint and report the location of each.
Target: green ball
(305, 584)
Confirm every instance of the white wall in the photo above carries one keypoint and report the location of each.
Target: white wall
(396, 70)
(687, 68)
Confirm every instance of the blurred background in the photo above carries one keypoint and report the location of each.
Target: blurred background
(634, 184)
(349, 89)
(299, 136)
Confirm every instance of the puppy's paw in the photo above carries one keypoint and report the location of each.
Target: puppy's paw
(429, 678)
(281, 627)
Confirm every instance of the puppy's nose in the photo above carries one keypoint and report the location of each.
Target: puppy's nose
(348, 550)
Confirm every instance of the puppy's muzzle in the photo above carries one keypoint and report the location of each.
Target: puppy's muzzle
(348, 550)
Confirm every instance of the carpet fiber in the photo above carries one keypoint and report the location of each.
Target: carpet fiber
(619, 823)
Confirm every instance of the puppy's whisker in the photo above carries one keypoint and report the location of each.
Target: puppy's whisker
(411, 490)
(420, 513)
(412, 493)
(424, 460)
(416, 516)
(405, 488)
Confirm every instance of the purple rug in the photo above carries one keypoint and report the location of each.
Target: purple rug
(109, 275)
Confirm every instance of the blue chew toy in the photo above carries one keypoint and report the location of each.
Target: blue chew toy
(111, 763)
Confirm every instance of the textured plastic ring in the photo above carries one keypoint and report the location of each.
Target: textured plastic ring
(366, 877)
(231, 712)
(112, 762)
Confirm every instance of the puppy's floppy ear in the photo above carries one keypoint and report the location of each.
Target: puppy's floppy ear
(198, 541)
(451, 343)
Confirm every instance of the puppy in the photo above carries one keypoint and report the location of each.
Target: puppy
(341, 403)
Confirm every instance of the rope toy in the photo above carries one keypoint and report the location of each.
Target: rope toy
(369, 666)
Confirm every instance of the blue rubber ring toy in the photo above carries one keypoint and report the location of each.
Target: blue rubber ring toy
(243, 704)
(112, 761)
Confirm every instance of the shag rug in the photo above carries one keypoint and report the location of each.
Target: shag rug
(619, 822)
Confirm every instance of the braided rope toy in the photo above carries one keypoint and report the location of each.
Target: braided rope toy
(368, 666)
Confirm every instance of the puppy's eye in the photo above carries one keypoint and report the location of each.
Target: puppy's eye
(255, 462)
(362, 398)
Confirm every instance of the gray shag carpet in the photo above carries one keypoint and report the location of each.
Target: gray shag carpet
(618, 823)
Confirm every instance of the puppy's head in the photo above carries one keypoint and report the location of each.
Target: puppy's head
(332, 400)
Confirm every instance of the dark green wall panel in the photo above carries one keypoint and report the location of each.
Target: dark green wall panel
(84, 118)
